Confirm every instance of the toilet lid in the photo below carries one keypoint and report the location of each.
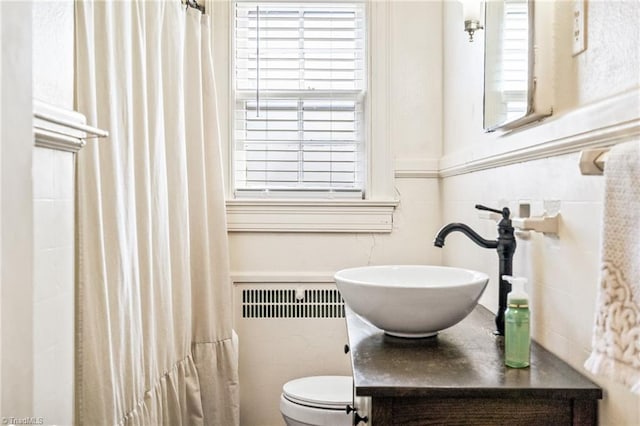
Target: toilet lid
(335, 392)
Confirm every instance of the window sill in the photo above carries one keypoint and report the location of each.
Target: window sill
(310, 216)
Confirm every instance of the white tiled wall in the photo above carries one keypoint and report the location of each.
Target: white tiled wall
(563, 270)
(53, 322)
(53, 221)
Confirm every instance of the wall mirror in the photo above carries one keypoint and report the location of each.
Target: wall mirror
(512, 97)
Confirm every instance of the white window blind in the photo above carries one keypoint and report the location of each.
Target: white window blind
(516, 58)
(300, 79)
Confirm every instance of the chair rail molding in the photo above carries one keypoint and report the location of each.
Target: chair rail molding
(420, 168)
(604, 123)
(61, 129)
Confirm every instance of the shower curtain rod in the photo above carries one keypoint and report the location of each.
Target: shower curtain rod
(194, 4)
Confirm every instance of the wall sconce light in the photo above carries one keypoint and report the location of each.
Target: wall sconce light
(472, 12)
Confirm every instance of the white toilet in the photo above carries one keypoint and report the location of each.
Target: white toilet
(317, 401)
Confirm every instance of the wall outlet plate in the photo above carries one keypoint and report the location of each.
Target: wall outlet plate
(579, 26)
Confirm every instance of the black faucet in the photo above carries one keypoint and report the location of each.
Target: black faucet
(506, 246)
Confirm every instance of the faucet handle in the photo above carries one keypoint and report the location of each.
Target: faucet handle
(505, 212)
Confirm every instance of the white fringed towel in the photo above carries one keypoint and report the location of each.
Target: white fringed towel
(616, 340)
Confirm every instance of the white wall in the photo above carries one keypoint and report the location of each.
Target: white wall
(16, 245)
(561, 269)
(415, 129)
(596, 86)
(53, 220)
(53, 52)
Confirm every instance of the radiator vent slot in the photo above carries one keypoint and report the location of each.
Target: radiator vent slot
(283, 303)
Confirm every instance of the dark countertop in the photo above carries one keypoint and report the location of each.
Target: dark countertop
(464, 361)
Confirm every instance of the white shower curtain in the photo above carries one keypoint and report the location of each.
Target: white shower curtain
(154, 342)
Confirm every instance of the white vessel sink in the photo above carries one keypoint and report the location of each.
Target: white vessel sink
(411, 301)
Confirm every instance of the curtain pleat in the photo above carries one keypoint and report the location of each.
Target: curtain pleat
(154, 338)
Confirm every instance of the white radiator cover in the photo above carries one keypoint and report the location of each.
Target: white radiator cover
(283, 337)
(291, 303)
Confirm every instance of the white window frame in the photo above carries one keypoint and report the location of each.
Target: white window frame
(372, 214)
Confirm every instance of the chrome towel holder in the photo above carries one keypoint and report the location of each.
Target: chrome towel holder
(592, 161)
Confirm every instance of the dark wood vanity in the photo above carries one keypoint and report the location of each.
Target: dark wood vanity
(459, 378)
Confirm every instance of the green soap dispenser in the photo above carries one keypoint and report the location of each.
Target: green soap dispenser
(517, 338)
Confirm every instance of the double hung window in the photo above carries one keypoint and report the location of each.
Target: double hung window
(299, 99)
